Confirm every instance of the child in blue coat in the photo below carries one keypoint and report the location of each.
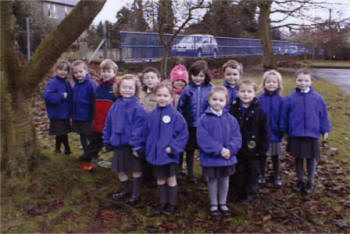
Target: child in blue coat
(305, 118)
(165, 136)
(192, 104)
(232, 73)
(83, 101)
(271, 102)
(219, 139)
(58, 100)
(124, 124)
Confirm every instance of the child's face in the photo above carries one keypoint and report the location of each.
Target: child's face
(79, 72)
(199, 78)
(217, 101)
(107, 73)
(150, 79)
(303, 81)
(271, 83)
(163, 97)
(231, 75)
(179, 84)
(246, 94)
(62, 72)
(127, 88)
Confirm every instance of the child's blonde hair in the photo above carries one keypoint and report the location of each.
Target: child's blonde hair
(62, 64)
(78, 63)
(219, 89)
(234, 65)
(249, 82)
(116, 86)
(109, 64)
(272, 73)
(164, 84)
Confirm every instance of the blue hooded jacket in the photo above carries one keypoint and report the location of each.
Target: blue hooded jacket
(57, 106)
(232, 93)
(272, 104)
(84, 99)
(124, 122)
(193, 102)
(305, 115)
(165, 127)
(213, 134)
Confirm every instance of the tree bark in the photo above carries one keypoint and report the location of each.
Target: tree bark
(18, 141)
(265, 34)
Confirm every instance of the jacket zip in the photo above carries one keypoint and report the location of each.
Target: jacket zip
(198, 102)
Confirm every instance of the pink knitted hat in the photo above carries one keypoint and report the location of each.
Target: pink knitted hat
(179, 72)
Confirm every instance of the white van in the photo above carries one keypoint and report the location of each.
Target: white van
(196, 45)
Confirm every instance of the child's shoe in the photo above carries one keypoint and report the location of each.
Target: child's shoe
(277, 182)
(299, 186)
(225, 211)
(58, 151)
(309, 188)
(169, 210)
(262, 180)
(214, 211)
(134, 201)
(67, 151)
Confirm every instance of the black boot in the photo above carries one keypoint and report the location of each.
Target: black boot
(299, 186)
(58, 144)
(126, 191)
(135, 197)
(171, 208)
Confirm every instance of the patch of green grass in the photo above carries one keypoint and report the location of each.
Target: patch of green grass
(327, 63)
(60, 197)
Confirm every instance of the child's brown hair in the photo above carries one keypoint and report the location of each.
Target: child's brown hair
(234, 65)
(304, 71)
(247, 81)
(109, 64)
(78, 63)
(197, 67)
(116, 86)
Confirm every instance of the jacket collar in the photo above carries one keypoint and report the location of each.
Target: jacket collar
(108, 82)
(228, 86)
(299, 91)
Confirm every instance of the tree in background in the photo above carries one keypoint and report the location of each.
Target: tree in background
(19, 150)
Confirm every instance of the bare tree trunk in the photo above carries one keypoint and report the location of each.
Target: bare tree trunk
(164, 62)
(265, 34)
(18, 140)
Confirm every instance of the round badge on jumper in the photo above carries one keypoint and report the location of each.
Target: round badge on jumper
(251, 144)
(166, 119)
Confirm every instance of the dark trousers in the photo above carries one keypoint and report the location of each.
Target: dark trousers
(311, 164)
(245, 181)
(84, 141)
(95, 145)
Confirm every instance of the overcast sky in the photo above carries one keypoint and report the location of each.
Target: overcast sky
(338, 7)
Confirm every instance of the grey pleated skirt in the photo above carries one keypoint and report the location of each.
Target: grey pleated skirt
(59, 127)
(165, 171)
(275, 148)
(125, 161)
(304, 147)
(218, 172)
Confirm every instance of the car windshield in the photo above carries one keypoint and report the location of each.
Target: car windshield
(187, 40)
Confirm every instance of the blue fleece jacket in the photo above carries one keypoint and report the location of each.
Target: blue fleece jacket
(84, 99)
(193, 102)
(215, 133)
(124, 122)
(57, 106)
(305, 115)
(232, 93)
(165, 127)
(272, 103)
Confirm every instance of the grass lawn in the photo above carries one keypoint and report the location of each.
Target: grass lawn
(327, 63)
(60, 197)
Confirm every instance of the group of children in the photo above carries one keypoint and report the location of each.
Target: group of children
(149, 124)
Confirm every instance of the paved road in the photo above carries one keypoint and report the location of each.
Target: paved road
(340, 77)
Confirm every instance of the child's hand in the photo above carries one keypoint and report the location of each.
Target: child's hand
(135, 154)
(225, 153)
(65, 95)
(325, 136)
(168, 150)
